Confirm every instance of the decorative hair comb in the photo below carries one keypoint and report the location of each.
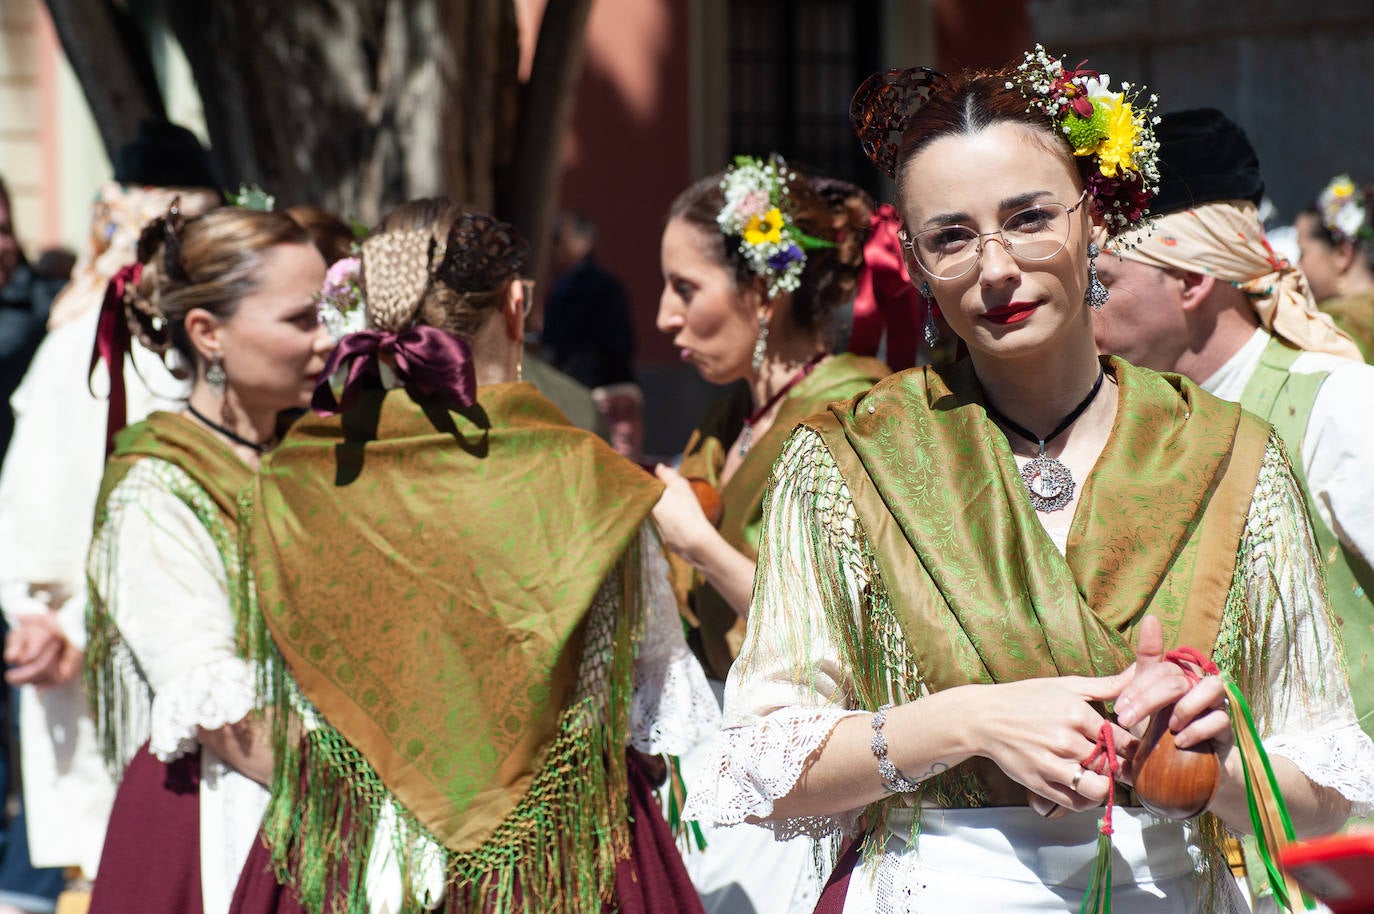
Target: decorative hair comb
(166, 229)
(883, 106)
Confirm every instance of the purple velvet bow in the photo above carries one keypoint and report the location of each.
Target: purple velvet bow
(422, 357)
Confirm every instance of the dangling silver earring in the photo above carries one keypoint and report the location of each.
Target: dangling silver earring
(931, 331)
(215, 376)
(1097, 293)
(761, 344)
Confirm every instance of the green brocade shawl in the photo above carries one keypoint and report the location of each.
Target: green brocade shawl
(978, 588)
(217, 472)
(721, 629)
(428, 577)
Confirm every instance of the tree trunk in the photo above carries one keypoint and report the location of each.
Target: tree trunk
(358, 105)
(112, 65)
(354, 105)
(545, 110)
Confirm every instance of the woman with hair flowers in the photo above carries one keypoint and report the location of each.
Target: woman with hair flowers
(468, 609)
(978, 583)
(227, 299)
(1336, 243)
(754, 260)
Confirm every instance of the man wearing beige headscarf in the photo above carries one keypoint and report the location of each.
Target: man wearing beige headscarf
(1203, 294)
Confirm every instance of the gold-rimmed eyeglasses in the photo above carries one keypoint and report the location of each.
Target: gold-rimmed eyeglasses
(1035, 233)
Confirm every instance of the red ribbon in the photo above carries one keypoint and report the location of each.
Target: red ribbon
(112, 342)
(886, 297)
(422, 357)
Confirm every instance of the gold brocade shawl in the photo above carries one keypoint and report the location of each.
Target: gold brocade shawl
(978, 588)
(839, 377)
(427, 575)
(216, 471)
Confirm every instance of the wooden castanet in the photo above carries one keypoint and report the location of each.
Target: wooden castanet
(1172, 782)
(708, 498)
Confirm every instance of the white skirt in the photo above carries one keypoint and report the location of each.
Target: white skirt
(1013, 860)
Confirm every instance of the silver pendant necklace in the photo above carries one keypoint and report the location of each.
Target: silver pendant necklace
(1048, 481)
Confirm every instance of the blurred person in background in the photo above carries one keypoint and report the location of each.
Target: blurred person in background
(334, 238)
(26, 297)
(48, 488)
(754, 261)
(1336, 241)
(589, 335)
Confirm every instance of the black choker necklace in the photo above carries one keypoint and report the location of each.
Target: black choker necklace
(237, 439)
(1048, 482)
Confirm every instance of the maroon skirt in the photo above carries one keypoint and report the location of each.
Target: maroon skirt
(150, 863)
(654, 879)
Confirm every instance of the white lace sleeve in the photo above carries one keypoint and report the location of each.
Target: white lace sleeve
(788, 689)
(1300, 689)
(672, 708)
(165, 587)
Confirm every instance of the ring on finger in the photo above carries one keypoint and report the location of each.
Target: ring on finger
(1078, 776)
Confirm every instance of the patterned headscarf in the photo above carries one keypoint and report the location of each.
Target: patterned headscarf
(1226, 240)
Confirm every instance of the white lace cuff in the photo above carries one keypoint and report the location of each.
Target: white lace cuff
(758, 764)
(673, 707)
(1340, 758)
(210, 696)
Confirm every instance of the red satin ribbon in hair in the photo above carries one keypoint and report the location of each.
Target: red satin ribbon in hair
(112, 342)
(885, 297)
(423, 357)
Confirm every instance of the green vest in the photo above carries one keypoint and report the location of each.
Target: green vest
(1284, 397)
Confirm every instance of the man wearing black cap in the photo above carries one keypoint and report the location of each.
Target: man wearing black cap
(1203, 294)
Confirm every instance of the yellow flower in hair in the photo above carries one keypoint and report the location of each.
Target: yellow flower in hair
(1118, 150)
(762, 230)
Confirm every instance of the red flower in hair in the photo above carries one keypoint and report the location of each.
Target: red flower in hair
(1066, 89)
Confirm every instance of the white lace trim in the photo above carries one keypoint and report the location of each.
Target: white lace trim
(672, 708)
(757, 765)
(1339, 758)
(210, 696)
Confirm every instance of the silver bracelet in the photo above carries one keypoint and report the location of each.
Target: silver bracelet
(893, 780)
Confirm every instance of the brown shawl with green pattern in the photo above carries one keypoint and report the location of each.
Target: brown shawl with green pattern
(427, 575)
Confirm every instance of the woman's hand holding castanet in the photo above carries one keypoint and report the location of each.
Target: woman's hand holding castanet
(1184, 727)
(691, 534)
(681, 520)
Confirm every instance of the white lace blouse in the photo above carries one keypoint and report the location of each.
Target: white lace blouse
(790, 686)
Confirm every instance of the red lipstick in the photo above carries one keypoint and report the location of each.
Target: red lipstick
(1013, 313)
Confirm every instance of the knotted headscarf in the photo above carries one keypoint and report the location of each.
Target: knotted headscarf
(1225, 239)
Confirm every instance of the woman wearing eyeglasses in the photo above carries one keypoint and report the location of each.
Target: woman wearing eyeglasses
(969, 576)
(468, 595)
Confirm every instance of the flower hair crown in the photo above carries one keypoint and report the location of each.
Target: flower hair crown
(756, 212)
(1343, 211)
(1115, 129)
